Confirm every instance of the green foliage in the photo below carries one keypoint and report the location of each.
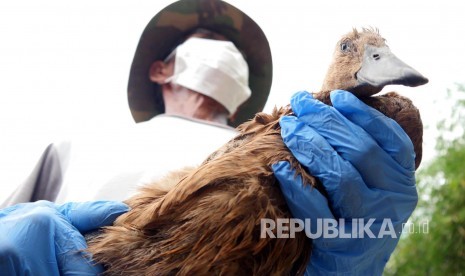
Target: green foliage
(438, 249)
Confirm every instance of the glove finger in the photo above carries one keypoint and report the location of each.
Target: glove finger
(340, 133)
(344, 185)
(86, 216)
(304, 202)
(387, 132)
(71, 254)
(352, 143)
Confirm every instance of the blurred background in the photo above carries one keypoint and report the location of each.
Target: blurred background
(64, 67)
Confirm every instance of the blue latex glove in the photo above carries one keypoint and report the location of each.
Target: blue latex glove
(365, 161)
(42, 238)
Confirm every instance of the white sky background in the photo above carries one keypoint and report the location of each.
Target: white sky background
(64, 64)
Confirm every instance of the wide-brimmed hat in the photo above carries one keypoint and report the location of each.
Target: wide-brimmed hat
(168, 28)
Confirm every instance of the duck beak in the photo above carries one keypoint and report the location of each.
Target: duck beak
(381, 67)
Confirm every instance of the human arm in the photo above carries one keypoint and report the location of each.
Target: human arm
(365, 162)
(43, 238)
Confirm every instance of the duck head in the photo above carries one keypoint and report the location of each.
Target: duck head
(363, 64)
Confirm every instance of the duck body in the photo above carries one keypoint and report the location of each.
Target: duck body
(207, 220)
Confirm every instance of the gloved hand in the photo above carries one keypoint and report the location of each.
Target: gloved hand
(42, 238)
(365, 162)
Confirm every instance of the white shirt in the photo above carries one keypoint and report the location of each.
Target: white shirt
(112, 166)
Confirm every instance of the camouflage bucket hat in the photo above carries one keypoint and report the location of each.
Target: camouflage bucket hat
(168, 28)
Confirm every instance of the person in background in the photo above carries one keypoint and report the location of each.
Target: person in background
(185, 100)
(201, 68)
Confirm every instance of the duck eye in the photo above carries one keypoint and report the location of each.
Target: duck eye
(345, 46)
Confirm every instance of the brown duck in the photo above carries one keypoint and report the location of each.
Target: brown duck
(206, 220)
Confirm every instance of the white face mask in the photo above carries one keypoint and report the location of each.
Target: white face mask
(213, 68)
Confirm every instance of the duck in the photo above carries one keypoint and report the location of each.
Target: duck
(207, 220)
(368, 66)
